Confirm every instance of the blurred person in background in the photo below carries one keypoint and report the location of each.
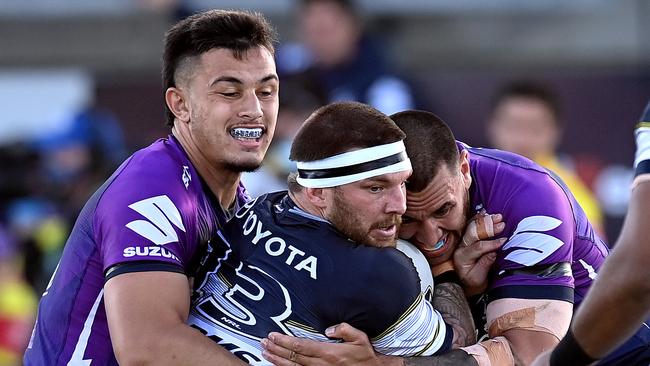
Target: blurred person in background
(339, 56)
(72, 163)
(137, 241)
(526, 120)
(76, 160)
(17, 302)
(298, 99)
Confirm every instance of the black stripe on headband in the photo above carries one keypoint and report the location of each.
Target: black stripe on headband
(352, 169)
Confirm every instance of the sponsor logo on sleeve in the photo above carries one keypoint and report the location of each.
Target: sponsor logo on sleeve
(161, 216)
(529, 242)
(150, 251)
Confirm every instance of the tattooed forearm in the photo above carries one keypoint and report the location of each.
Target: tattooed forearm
(449, 300)
(454, 358)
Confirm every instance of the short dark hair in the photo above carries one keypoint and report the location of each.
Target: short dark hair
(340, 127)
(238, 31)
(429, 143)
(529, 89)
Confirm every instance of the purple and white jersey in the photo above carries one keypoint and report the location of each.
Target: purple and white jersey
(552, 248)
(153, 213)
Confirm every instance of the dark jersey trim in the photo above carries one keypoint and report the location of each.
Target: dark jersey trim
(532, 292)
(642, 168)
(449, 338)
(141, 266)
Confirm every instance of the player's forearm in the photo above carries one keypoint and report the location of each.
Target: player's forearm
(179, 345)
(624, 295)
(449, 299)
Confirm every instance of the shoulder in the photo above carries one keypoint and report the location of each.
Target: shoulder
(152, 208)
(157, 175)
(516, 187)
(388, 268)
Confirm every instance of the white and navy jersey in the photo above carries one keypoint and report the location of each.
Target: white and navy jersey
(276, 268)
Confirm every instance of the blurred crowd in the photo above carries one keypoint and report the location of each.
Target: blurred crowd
(45, 182)
(46, 178)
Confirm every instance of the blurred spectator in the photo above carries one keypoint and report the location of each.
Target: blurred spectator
(526, 120)
(17, 303)
(298, 99)
(73, 162)
(76, 160)
(34, 221)
(343, 59)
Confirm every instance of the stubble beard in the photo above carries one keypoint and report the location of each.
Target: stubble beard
(345, 219)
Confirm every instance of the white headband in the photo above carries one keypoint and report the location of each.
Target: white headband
(353, 166)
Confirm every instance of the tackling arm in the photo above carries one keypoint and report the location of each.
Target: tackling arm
(624, 295)
(146, 314)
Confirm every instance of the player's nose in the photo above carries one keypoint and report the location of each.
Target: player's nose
(429, 231)
(251, 108)
(396, 202)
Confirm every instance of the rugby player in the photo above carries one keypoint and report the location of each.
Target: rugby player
(546, 266)
(323, 253)
(620, 298)
(120, 293)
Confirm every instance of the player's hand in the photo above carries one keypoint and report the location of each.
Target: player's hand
(475, 255)
(544, 359)
(284, 350)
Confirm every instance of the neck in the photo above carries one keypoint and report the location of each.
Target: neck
(221, 181)
(303, 203)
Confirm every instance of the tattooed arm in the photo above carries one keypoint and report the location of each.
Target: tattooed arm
(449, 300)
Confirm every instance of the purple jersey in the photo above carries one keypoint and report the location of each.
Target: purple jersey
(153, 213)
(552, 248)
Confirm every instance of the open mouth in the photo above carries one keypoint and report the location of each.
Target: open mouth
(247, 134)
(386, 230)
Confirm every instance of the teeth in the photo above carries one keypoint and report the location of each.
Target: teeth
(440, 243)
(246, 133)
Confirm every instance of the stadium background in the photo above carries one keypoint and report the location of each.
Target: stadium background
(57, 57)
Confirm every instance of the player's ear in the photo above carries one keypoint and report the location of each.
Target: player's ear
(317, 196)
(177, 103)
(464, 168)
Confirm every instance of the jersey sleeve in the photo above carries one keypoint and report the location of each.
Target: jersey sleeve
(394, 312)
(144, 220)
(535, 261)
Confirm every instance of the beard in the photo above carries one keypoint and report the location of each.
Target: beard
(242, 166)
(345, 219)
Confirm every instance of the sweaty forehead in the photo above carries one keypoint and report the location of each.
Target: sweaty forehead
(434, 195)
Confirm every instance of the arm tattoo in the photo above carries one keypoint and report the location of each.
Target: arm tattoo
(449, 300)
(456, 357)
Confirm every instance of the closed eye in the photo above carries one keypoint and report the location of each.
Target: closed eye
(444, 210)
(407, 219)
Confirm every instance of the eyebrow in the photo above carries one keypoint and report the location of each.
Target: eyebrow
(377, 180)
(234, 80)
